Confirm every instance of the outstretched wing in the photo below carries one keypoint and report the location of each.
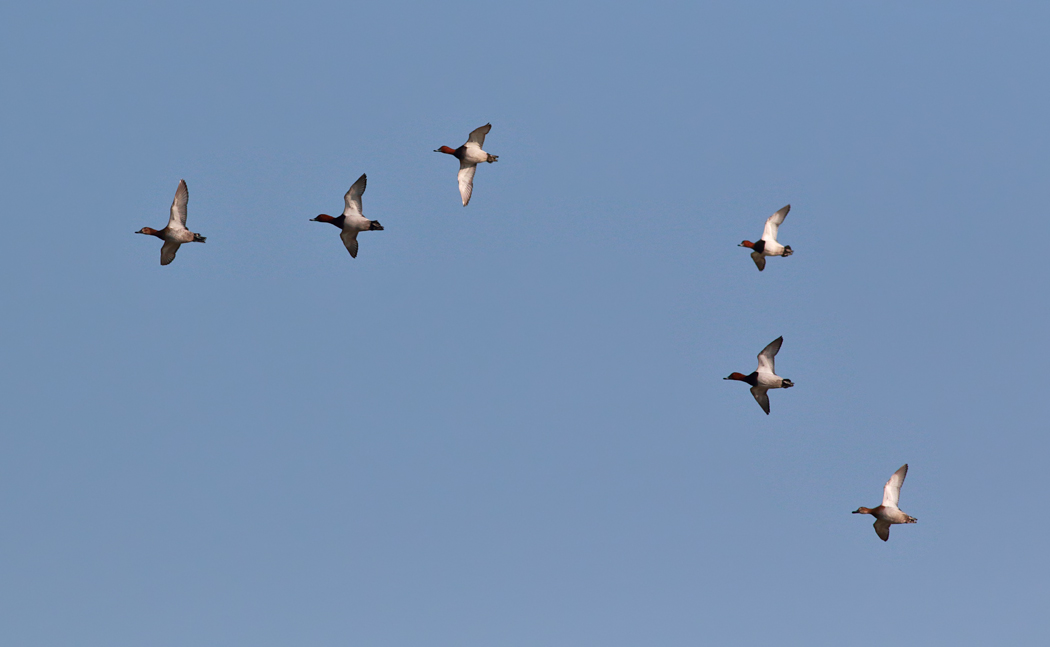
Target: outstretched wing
(478, 136)
(759, 260)
(167, 252)
(349, 237)
(773, 224)
(891, 494)
(882, 529)
(761, 397)
(353, 197)
(765, 358)
(466, 180)
(177, 220)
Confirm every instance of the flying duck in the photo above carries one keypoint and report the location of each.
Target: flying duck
(175, 234)
(469, 156)
(352, 222)
(768, 245)
(765, 377)
(888, 513)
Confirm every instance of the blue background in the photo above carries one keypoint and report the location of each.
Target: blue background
(506, 424)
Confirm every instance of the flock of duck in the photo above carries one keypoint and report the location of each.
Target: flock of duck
(352, 222)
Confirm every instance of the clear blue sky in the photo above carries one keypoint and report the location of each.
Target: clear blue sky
(506, 424)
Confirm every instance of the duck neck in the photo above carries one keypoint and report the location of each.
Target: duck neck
(455, 152)
(751, 379)
(338, 222)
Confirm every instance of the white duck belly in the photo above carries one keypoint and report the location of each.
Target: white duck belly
(356, 223)
(178, 235)
(773, 248)
(893, 515)
(769, 380)
(475, 155)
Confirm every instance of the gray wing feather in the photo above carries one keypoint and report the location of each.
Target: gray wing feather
(177, 220)
(466, 180)
(168, 251)
(761, 397)
(352, 199)
(477, 136)
(773, 224)
(882, 529)
(350, 240)
(765, 358)
(891, 494)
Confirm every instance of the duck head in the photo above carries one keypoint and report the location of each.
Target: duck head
(147, 230)
(747, 243)
(324, 217)
(445, 149)
(736, 376)
(863, 510)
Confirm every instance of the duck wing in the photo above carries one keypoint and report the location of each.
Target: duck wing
(168, 251)
(353, 198)
(765, 358)
(477, 136)
(761, 397)
(891, 494)
(349, 237)
(773, 224)
(466, 180)
(882, 529)
(759, 259)
(177, 220)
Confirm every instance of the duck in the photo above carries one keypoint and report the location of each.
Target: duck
(352, 221)
(768, 245)
(469, 156)
(175, 234)
(765, 377)
(888, 513)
